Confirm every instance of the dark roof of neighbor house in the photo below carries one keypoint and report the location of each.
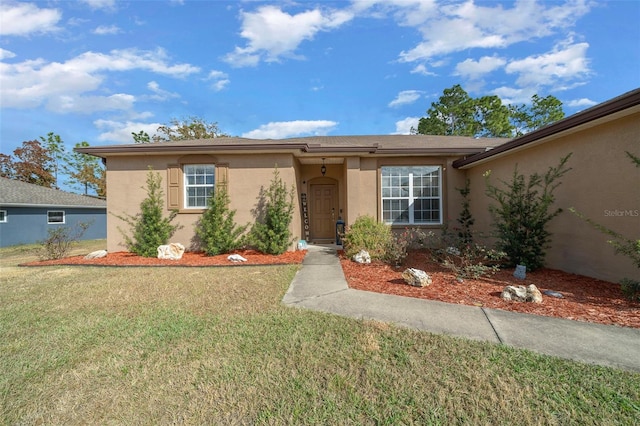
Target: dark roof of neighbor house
(369, 144)
(605, 111)
(21, 194)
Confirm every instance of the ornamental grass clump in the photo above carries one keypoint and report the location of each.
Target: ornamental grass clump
(216, 229)
(149, 228)
(524, 208)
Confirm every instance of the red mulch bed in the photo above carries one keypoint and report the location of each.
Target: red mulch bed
(585, 299)
(123, 258)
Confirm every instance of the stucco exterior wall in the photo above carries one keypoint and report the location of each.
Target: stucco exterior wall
(603, 184)
(126, 183)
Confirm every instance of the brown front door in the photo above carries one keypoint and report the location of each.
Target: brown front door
(324, 206)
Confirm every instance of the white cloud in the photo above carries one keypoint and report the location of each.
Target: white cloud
(405, 97)
(107, 30)
(422, 70)
(22, 19)
(90, 104)
(403, 127)
(272, 33)
(6, 54)
(581, 103)
(475, 69)
(448, 28)
(220, 80)
(120, 132)
(101, 4)
(160, 94)
(32, 83)
(565, 62)
(287, 129)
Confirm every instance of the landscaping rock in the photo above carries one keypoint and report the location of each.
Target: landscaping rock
(521, 293)
(236, 258)
(173, 251)
(416, 277)
(96, 254)
(362, 257)
(520, 272)
(553, 294)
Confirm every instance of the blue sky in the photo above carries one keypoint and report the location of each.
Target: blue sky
(97, 70)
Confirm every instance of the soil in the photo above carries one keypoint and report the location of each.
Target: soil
(584, 298)
(188, 259)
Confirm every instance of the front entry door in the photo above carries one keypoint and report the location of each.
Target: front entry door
(324, 206)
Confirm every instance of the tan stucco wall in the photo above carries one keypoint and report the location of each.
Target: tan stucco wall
(603, 181)
(126, 183)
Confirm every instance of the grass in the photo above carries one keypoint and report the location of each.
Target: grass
(85, 345)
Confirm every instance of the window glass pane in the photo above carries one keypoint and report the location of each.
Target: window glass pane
(411, 194)
(199, 184)
(55, 217)
(3, 216)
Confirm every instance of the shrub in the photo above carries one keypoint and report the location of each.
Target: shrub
(149, 228)
(216, 229)
(522, 213)
(399, 245)
(631, 289)
(270, 233)
(367, 234)
(466, 220)
(60, 240)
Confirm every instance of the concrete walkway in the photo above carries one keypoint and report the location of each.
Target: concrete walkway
(320, 285)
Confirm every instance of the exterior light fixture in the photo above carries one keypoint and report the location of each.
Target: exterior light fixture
(323, 169)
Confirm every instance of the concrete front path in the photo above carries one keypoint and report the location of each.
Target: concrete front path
(320, 285)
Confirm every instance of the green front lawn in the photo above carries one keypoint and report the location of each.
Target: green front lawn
(90, 345)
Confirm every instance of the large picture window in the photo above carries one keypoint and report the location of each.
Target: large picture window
(412, 195)
(199, 182)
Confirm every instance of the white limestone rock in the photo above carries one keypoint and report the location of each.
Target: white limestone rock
(236, 258)
(173, 251)
(521, 293)
(96, 254)
(362, 257)
(416, 277)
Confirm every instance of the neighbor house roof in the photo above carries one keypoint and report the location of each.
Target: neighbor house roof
(14, 193)
(628, 103)
(370, 144)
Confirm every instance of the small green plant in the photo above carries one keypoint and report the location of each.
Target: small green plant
(149, 228)
(398, 247)
(60, 240)
(368, 234)
(270, 233)
(466, 220)
(522, 213)
(631, 289)
(216, 229)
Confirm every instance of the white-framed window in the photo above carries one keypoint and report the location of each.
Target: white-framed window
(199, 182)
(412, 195)
(3, 216)
(55, 216)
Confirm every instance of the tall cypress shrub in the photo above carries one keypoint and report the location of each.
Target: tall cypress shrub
(216, 229)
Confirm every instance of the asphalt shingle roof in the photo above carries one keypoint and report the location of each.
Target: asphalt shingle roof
(17, 193)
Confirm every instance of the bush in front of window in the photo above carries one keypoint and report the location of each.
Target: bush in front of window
(368, 234)
(524, 208)
(149, 228)
(270, 233)
(216, 229)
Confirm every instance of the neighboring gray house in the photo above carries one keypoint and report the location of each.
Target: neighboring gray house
(28, 211)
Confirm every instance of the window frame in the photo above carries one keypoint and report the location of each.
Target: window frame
(411, 197)
(186, 186)
(3, 216)
(64, 217)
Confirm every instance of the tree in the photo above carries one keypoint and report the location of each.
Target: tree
(6, 166)
(541, 112)
(452, 115)
(522, 213)
(458, 114)
(55, 146)
(216, 229)
(85, 171)
(186, 129)
(270, 233)
(149, 228)
(31, 163)
(141, 137)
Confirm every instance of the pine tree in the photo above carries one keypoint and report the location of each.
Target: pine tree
(216, 229)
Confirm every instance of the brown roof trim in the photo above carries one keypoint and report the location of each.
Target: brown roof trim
(167, 148)
(604, 109)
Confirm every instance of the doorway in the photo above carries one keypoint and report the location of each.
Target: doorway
(324, 212)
